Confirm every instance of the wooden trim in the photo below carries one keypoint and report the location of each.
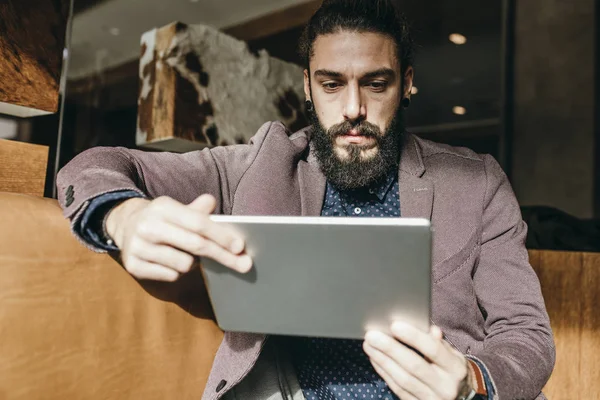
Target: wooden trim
(111, 76)
(275, 22)
(23, 167)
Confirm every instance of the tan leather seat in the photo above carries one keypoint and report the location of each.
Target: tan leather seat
(75, 325)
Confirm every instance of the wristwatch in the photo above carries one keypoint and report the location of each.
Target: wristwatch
(468, 391)
(470, 396)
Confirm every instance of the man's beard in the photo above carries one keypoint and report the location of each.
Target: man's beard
(355, 172)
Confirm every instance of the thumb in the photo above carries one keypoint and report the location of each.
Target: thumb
(205, 204)
(436, 332)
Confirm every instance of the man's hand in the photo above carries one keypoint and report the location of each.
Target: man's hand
(441, 373)
(158, 239)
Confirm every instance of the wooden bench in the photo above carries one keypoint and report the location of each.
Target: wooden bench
(571, 287)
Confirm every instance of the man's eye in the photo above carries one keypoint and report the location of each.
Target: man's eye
(378, 85)
(331, 85)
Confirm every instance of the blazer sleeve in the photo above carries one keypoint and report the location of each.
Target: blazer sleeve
(183, 177)
(519, 350)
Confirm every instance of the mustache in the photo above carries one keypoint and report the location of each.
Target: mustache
(364, 128)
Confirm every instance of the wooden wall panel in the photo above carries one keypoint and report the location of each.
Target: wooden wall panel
(571, 286)
(23, 167)
(590, 326)
(555, 39)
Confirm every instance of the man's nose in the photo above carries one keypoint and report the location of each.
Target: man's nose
(354, 110)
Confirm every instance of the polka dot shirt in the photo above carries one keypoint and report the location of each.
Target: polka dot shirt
(338, 369)
(381, 200)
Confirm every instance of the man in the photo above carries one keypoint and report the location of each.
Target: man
(355, 159)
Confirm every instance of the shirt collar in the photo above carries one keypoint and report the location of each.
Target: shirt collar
(379, 189)
(383, 186)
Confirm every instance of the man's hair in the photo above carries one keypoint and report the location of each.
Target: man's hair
(376, 16)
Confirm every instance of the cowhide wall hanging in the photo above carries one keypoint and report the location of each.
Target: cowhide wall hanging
(200, 87)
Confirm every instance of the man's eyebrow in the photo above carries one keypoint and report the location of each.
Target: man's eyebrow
(380, 73)
(325, 73)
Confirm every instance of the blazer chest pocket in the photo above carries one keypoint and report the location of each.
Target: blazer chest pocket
(464, 257)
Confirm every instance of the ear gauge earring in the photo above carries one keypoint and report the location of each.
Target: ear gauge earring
(309, 106)
(406, 102)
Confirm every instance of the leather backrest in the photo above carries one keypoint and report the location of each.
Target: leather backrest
(75, 325)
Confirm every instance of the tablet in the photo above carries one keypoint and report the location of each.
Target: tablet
(333, 277)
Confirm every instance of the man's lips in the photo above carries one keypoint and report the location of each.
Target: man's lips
(355, 137)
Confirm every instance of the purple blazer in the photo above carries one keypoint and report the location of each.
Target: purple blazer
(486, 297)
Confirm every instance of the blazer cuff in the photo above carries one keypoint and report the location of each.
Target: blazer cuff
(91, 225)
(485, 388)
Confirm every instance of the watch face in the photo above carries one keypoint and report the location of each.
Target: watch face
(470, 396)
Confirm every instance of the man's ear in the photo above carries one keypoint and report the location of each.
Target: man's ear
(409, 76)
(307, 85)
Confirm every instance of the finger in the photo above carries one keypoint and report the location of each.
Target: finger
(406, 358)
(402, 377)
(242, 263)
(198, 222)
(168, 256)
(398, 391)
(146, 270)
(163, 232)
(436, 332)
(431, 347)
(205, 204)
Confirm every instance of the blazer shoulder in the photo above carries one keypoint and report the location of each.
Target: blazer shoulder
(431, 150)
(452, 165)
(277, 133)
(272, 136)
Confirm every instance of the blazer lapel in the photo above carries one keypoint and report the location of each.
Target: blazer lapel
(312, 188)
(416, 192)
(416, 197)
(311, 180)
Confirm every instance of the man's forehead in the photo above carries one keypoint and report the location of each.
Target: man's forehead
(354, 53)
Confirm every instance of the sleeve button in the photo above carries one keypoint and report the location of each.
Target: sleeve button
(221, 385)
